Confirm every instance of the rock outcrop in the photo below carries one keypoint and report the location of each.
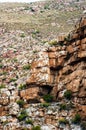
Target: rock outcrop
(60, 67)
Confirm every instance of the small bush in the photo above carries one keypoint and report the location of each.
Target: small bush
(36, 128)
(1, 66)
(15, 60)
(20, 103)
(45, 105)
(2, 86)
(22, 115)
(41, 11)
(22, 35)
(26, 67)
(13, 79)
(68, 94)
(22, 86)
(46, 7)
(63, 121)
(35, 51)
(35, 32)
(48, 98)
(76, 119)
(63, 107)
(29, 121)
(53, 42)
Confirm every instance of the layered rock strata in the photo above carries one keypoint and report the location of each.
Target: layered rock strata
(60, 67)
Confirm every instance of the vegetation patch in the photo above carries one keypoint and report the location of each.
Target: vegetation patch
(45, 104)
(36, 128)
(35, 32)
(22, 115)
(63, 121)
(48, 98)
(1, 66)
(27, 67)
(76, 119)
(22, 35)
(22, 86)
(68, 94)
(13, 79)
(21, 103)
(63, 106)
(53, 42)
(29, 121)
(2, 86)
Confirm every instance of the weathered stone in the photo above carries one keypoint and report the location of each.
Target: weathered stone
(30, 93)
(3, 111)
(62, 67)
(13, 109)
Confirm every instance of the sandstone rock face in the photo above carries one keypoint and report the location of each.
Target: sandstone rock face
(55, 69)
(61, 67)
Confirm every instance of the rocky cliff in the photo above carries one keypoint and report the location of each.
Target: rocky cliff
(61, 67)
(59, 71)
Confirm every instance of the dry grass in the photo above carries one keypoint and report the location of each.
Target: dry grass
(49, 22)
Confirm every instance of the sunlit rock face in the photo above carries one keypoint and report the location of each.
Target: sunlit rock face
(61, 67)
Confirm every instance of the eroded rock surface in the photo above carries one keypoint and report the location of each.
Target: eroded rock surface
(61, 67)
(56, 68)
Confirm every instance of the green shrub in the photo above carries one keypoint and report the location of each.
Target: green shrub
(53, 42)
(46, 7)
(22, 86)
(63, 106)
(76, 119)
(68, 94)
(15, 60)
(26, 67)
(36, 128)
(12, 79)
(20, 103)
(2, 86)
(29, 121)
(48, 98)
(44, 104)
(41, 11)
(22, 115)
(0, 59)
(4, 73)
(35, 32)
(63, 121)
(1, 66)
(22, 35)
(35, 51)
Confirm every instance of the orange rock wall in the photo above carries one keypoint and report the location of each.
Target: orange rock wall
(62, 67)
